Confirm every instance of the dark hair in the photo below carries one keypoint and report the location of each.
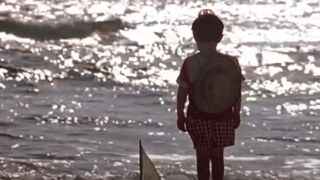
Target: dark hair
(207, 27)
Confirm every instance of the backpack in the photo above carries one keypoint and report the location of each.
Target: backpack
(218, 87)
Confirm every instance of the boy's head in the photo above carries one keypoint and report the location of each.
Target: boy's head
(207, 27)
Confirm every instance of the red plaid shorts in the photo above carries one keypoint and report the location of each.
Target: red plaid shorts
(211, 133)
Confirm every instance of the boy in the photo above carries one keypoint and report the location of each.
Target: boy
(210, 122)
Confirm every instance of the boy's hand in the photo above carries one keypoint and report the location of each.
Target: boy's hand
(181, 123)
(237, 121)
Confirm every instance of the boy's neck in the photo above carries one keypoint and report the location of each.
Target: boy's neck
(209, 53)
(207, 49)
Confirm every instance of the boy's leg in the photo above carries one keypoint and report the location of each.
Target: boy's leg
(203, 158)
(217, 164)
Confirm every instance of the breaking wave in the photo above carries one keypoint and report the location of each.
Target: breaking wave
(47, 31)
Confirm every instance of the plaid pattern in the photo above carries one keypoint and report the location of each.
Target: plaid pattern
(211, 133)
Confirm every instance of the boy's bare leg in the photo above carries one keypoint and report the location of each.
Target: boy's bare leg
(203, 158)
(217, 163)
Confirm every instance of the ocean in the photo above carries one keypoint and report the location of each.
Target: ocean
(81, 82)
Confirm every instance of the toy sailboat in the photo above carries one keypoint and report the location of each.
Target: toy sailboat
(147, 169)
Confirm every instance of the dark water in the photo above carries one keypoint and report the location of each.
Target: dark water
(82, 81)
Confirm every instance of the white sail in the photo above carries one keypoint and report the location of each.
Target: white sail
(147, 169)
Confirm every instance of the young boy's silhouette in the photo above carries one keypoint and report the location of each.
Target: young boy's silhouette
(212, 82)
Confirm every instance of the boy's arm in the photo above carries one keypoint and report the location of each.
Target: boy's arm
(237, 106)
(182, 80)
(237, 109)
(181, 100)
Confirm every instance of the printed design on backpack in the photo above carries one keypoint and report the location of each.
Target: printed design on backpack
(217, 85)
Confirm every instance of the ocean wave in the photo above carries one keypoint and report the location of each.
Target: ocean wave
(47, 31)
(4, 135)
